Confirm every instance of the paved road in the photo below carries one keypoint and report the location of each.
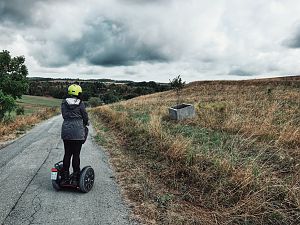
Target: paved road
(26, 193)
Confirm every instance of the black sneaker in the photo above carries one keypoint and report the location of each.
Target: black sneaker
(75, 179)
(65, 178)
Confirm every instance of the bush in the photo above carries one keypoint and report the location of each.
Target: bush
(7, 118)
(7, 104)
(20, 110)
(94, 102)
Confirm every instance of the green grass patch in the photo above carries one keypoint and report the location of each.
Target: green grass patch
(39, 100)
(33, 104)
(100, 139)
(101, 136)
(217, 143)
(118, 108)
(142, 117)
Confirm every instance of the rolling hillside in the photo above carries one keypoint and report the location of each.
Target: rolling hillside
(236, 162)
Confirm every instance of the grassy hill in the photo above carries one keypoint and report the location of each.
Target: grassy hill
(236, 162)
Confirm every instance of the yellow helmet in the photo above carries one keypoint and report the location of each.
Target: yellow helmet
(74, 89)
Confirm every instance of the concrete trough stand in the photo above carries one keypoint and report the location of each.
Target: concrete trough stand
(182, 111)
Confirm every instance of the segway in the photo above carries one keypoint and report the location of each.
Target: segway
(86, 181)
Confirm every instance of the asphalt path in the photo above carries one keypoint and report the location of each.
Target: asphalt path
(26, 192)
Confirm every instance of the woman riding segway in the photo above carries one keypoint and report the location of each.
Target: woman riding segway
(73, 133)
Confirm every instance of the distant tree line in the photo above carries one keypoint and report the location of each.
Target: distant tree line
(106, 92)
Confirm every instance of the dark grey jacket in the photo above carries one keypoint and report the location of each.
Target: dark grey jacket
(75, 119)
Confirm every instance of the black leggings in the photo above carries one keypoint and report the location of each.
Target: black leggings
(72, 148)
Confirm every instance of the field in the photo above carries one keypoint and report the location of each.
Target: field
(33, 104)
(236, 162)
(36, 109)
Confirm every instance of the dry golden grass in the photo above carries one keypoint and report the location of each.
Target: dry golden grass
(237, 162)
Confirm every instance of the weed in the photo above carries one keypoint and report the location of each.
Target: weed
(99, 138)
(164, 200)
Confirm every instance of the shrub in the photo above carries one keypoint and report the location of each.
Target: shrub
(20, 110)
(7, 118)
(94, 102)
(7, 104)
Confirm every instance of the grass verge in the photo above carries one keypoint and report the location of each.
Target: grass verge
(200, 171)
(36, 109)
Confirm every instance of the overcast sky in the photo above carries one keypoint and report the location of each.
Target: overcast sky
(154, 39)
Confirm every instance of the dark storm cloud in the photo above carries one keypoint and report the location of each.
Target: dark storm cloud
(293, 42)
(23, 12)
(204, 38)
(16, 11)
(106, 43)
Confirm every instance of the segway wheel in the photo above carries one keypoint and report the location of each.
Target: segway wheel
(87, 177)
(55, 185)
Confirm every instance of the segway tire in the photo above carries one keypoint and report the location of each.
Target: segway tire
(87, 178)
(55, 185)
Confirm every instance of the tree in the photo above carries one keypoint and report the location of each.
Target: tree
(177, 84)
(13, 81)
